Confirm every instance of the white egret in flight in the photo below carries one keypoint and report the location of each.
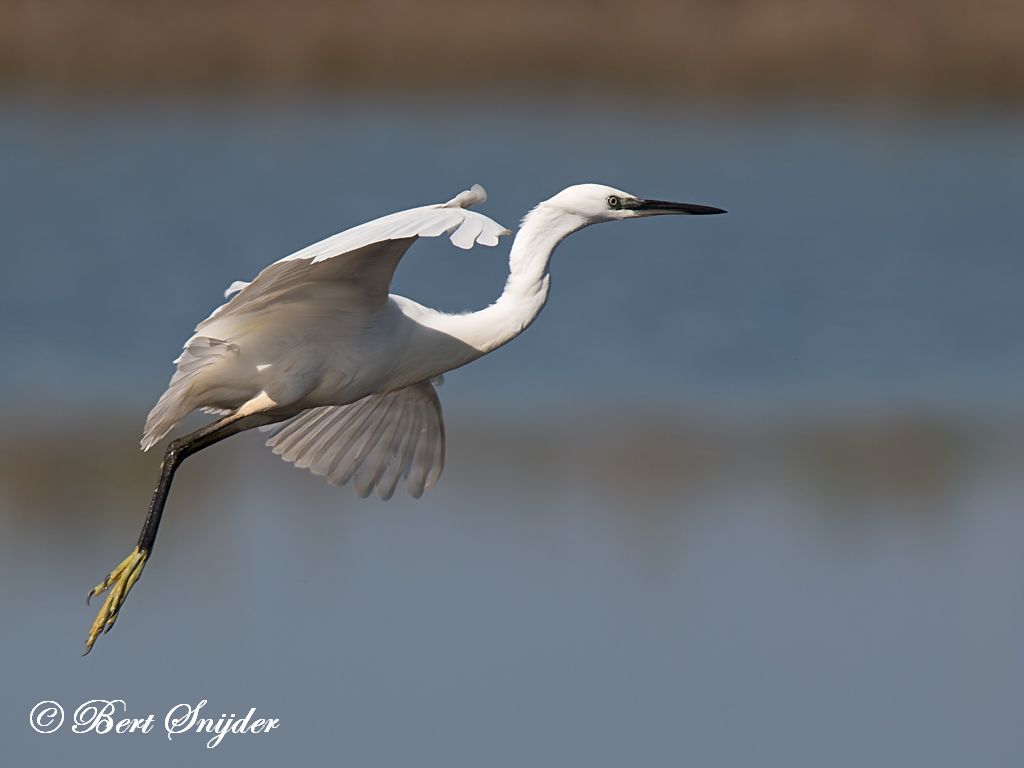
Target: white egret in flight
(317, 347)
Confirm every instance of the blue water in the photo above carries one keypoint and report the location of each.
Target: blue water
(863, 261)
(748, 493)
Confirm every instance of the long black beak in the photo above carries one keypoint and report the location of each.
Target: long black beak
(662, 207)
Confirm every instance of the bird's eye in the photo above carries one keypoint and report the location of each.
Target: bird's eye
(614, 202)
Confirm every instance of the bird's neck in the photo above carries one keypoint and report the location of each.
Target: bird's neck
(526, 290)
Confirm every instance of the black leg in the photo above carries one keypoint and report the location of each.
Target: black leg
(180, 449)
(123, 577)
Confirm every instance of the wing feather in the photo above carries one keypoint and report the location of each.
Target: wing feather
(374, 442)
(396, 461)
(363, 440)
(416, 482)
(360, 262)
(387, 457)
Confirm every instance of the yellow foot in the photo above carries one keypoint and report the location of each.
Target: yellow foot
(120, 582)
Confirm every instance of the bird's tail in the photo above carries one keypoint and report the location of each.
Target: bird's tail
(168, 411)
(178, 401)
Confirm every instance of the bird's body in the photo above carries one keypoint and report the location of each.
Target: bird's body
(316, 349)
(301, 358)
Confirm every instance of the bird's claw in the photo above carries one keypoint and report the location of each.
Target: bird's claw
(120, 582)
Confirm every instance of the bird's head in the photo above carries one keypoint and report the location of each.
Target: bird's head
(597, 202)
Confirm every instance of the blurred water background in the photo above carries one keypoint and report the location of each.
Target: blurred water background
(747, 494)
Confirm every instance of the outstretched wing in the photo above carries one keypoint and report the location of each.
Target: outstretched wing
(376, 441)
(356, 266)
(347, 273)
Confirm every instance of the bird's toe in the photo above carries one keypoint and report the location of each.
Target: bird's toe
(120, 582)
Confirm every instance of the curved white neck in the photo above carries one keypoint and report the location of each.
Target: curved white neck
(526, 290)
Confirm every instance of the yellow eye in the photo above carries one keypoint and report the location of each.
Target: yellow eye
(614, 202)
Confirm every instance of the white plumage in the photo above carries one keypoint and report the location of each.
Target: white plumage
(315, 348)
(319, 336)
(377, 441)
(339, 286)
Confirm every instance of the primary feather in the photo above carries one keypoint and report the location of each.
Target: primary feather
(377, 441)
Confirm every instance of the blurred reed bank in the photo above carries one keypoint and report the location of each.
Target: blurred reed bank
(938, 50)
(749, 492)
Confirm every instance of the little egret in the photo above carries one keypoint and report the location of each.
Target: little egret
(344, 371)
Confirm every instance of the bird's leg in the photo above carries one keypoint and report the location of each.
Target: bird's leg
(120, 580)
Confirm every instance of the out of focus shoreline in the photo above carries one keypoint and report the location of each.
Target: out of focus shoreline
(910, 456)
(922, 52)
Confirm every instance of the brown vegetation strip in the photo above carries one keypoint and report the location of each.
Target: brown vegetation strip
(932, 49)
